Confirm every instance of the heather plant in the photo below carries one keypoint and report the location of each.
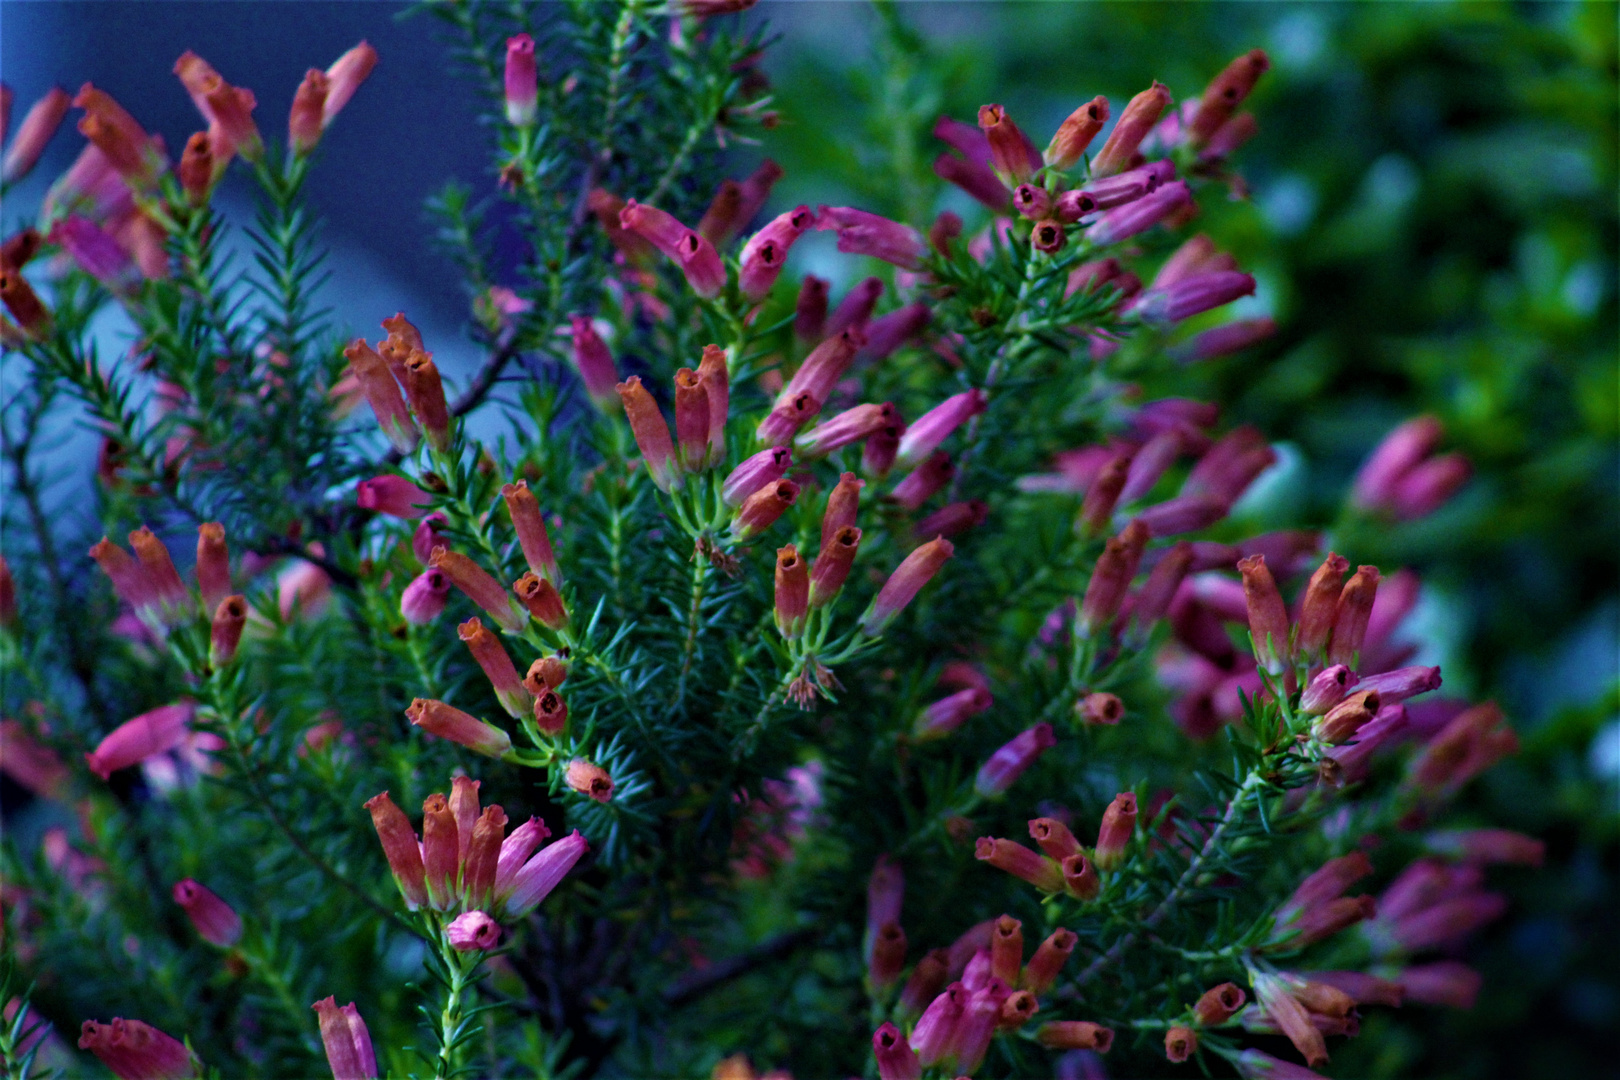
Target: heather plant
(886, 685)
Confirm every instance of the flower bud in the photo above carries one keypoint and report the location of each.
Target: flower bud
(1351, 614)
(441, 850)
(1008, 763)
(926, 981)
(977, 180)
(1446, 982)
(344, 77)
(924, 435)
(497, 666)
(530, 526)
(589, 780)
(651, 434)
(761, 509)
(23, 303)
(1075, 1035)
(1033, 202)
(1118, 827)
(1054, 837)
(35, 131)
(1069, 144)
(715, 371)
(1106, 589)
(472, 931)
(382, 391)
(216, 923)
(882, 447)
(934, 1035)
(225, 633)
(1401, 684)
(1191, 296)
(1138, 119)
(196, 169)
(824, 367)
(347, 1043)
(1020, 862)
(1268, 616)
(1101, 495)
(172, 596)
(448, 722)
(915, 571)
(594, 363)
(305, 121)
(401, 849)
(792, 592)
(1184, 514)
(521, 885)
(949, 713)
(522, 81)
(392, 495)
(1232, 337)
(481, 856)
(691, 420)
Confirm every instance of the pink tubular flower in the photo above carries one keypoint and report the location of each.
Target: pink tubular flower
(925, 434)
(1362, 988)
(1325, 690)
(765, 467)
(810, 310)
(401, 848)
(1008, 763)
(216, 923)
(1487, 846)
(1184, 514)
(530, 880)
(915, 571)
(1010, 152)
(977, 180)
(1275, 995)
(952, 519)
(304, 122)
(1401, 451)
(149, 734)
(651, 433)
(766, 251)
(1191, 296)
(530, 526)
(1445, 982)
(1116, 568)
(96, 252)
(1401, 684)
(1075, 134)
(344, 78)
(594, 363)
(393, 495)
(1258, 1065)
(792, 592)
(692, 252)
(856, 308)
(347, 1042)
(951, 712)
(888, 332)
(36, 130)
(480, 588)
(934, 1035)
(522, 81)
(424, 598)
(1075, 1035)
(1139, 216)
(1428, 486)
(852, 425)
(133, 153)
(861, 233)
(448, 722)
(133, 1050)
(896, 1060)
(923, 482)
(1226, 340)
(1225, 93)
(473, 931)
(1268, 616)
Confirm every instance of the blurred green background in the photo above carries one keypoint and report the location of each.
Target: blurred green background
(1433, 223)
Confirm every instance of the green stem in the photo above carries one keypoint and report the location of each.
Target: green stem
(459, 968)
(700, 581)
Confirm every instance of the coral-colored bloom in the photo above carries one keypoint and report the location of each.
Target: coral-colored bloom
(344, 77)
(1141, 113)
(1075, 134)
(424, 389)
(449, 722)
(128, 148)
(530, 525)
(651, 433)
(214, 919)
(383, 393)
(1219, 1004)
(228, 109)
(1351, 615)
(792, 592)
(1268, 617)
(133, 1050)
(480, 588)
(1115, 833)
(306, 121)
(1039, 870)
(861, 233)
(692, 416)
(497, 666)
(349, 1052)
(760, 510)
(1223, 95)
(1010, 152)
(1180, 1043)
(401, 848)
(1075, 1035)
